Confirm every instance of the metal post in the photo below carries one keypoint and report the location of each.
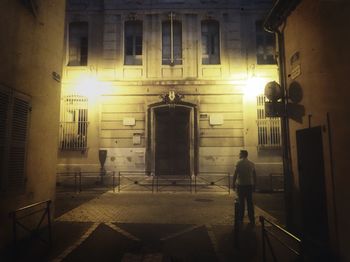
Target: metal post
(79, 181)
(14, 230)
(236, 224)
(49, 222)
(261, 218)
(119, 182)
(195, 183)
(229, 184)
(75, 182)
(152, 183)
(113, 182)
(191, 183)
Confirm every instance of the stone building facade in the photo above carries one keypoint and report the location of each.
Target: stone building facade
(170, 87)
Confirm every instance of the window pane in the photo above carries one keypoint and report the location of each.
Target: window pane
(265, 46)
(138, 45)
(177, 43)
(133, 43)
(166, 43)
(210, 42)
(129, 45)
(78, 44)
(166, 54)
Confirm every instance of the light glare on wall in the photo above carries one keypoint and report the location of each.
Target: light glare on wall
(255, 86)
(90, 86)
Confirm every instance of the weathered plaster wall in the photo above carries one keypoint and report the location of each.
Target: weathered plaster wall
(31, 49)
(319, 31)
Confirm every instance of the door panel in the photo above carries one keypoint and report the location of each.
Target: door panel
(312, 186)
(172, 140)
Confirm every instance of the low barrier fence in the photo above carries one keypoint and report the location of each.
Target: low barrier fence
(174, 183)
(145, 181)
(135, 180)
(22, 218)
(213, 181)
(286, 239)
(87, 180)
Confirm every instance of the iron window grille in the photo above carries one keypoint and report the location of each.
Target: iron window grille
(269, 128)
(74, 123)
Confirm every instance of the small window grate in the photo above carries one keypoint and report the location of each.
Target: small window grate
(269, 129)
(74, 122)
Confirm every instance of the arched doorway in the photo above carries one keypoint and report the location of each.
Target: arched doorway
(172, 139)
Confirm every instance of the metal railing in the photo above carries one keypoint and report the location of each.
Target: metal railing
(266, 240)
(80, 178)
(135, 179)
(18, 217)
(174, 181)
(146, 180)
(236, 224)
(212, 181)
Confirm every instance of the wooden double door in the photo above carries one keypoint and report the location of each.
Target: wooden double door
(172, 140)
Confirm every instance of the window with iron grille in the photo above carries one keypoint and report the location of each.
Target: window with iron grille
(210, 42)
(269, 128)
(171, 42)
(265, 46)
(74, 122)
(78, 44)
(133, 43)
(14, 117)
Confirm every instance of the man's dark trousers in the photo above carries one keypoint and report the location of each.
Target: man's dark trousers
(246, 193)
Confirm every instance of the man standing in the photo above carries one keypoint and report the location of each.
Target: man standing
(245, 180)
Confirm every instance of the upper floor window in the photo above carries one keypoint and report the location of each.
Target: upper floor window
(210, 42)
(265, 46)
(74, 122)
(171, 42)
(133, 43)
(14, 117)
(78, 44)
(269, 128)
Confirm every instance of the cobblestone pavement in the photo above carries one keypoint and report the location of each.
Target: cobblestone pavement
(131, 226)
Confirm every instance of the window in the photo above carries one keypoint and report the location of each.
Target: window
(269, 129)
(78, 44)
(210, 42)
(74, 122)
(171, 42)
(14, 115)
(133, 43)
(265, 46)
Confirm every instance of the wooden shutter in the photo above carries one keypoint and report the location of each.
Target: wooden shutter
(4, 111)
(18, 139)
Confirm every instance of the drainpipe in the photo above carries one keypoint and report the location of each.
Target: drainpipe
(274, 20)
